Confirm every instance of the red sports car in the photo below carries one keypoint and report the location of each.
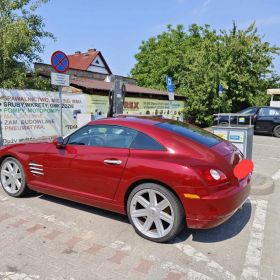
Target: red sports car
(163, 174)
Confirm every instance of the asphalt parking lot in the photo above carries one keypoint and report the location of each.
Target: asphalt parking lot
(42, 237)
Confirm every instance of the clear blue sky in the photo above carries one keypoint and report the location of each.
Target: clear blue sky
(117, 27)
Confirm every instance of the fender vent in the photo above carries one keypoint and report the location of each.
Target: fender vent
(36, 168)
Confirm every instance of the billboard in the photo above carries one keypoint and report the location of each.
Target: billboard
(141, 106)
(28, 115)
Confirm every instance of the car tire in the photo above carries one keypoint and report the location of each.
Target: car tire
(155, 212)
(276, 131)
(13, 178)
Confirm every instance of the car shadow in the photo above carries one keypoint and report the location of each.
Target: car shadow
(31, 194)
(227, 230)
(86, 208)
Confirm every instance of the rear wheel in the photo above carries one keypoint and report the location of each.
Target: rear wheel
(155, 212)
(13, 177)
(276, 131)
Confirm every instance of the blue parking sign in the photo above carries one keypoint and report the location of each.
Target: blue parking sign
(221, 89)
(168, 81)
(170, 88)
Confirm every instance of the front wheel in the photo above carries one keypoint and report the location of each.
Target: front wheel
(13, 177)
(276, 131)
(155, 212)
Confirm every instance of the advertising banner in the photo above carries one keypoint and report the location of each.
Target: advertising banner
(140, 106)
(28, 115)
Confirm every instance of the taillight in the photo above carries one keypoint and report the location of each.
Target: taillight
(213, 176)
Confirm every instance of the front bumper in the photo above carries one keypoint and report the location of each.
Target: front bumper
(211, 211)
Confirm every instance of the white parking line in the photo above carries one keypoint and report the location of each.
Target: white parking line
(276, 175)
(254, 252)
(211, 265)
(18, 276)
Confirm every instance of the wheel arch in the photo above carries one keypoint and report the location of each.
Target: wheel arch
(3, 157)
(142, 181)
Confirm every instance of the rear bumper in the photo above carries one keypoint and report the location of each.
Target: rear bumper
(211, 211)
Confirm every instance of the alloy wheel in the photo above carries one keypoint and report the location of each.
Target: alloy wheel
(152, 213)
(11, 177)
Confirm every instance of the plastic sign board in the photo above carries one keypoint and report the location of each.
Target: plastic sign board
(60, 62)
(236, 136)
(221, 133)
(58, 79)
(171, 96)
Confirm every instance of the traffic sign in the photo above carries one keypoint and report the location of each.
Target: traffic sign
(59, 79)
(60, 62)
(221, 88)
(168, 81)
(170, 88)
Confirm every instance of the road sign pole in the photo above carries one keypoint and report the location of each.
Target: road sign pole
(60, 103)
(60, 64)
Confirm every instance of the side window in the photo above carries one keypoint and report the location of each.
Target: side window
(144, 142)
(80, 137)
(103, 136)
(268, 112)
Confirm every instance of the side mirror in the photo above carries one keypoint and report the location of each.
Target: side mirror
(59, 142)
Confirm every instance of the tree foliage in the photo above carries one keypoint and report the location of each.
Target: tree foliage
(200, 59)
(21, 32)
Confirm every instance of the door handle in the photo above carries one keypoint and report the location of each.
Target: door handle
(113, 161)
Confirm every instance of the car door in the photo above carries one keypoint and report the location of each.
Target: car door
(265, 120)
(92, 162)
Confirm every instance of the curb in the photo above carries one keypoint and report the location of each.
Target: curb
(261, 185)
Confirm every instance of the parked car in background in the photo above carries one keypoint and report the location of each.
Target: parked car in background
(163, 174)
(264, 118)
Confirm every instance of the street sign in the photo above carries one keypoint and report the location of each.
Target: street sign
(60, 62)
(170, 88)
(168, 81)
(58, 79)
(221, 89)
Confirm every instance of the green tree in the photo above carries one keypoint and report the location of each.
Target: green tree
(21, 32)
(200, 59)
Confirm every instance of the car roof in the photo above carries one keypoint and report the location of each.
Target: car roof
(273, 107)
(150, 121)
(142, 123)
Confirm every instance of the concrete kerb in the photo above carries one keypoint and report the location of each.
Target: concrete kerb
(261, 184)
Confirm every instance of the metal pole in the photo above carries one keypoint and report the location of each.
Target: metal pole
(60, 103)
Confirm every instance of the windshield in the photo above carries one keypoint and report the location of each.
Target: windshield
(191, 132)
